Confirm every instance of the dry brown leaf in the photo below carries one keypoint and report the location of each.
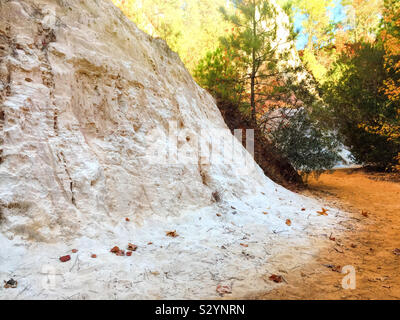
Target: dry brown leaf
(288, 222)
(218, 214)
(332, 238)
(303, 209)
(172, 234)
(10, 284)
(244, 245)
(365, 213)
(323, 212)
(334, 268)
(132, 247)
(94, 256)
(74, 250)
(265, 212)
(276, 278)
(115, 249)
(223, 290)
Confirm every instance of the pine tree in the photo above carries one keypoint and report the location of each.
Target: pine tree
(255, 47)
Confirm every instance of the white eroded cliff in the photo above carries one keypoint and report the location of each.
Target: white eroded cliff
(98, 123)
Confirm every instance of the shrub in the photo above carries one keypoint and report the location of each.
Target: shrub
(308, 148)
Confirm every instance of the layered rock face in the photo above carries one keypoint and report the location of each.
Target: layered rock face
(99, 122)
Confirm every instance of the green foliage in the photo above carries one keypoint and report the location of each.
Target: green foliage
(247, 71)
(308, 148)
(355, 102)
(218, 73)
(256, 49)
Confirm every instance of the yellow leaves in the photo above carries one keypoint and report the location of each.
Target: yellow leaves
(323, 212)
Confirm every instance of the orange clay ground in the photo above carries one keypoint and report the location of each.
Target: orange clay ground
(368, 243)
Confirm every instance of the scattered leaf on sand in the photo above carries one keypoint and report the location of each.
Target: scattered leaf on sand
(10, 284)
(127, 219)
(334, 268)
(276, 278)
(365, 213)
(396, 251)
(74, 250)
(288, 222)
(323, 212)
(265, 212)
(94, 256)
(218, 214)
(172, 234)
(115, 249)
(132, 247)
(118, 251)
(129, 253)
(65, 258)
(244, 245)
(303, 209)
(332, 238)
(149, 243)
(223, 290)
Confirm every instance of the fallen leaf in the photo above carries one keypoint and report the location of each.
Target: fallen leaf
(265, 212)
(333, 267)
(132, 247)
(223, 290)
(276, 278)
(303, 209)
(65, 258)
(396, 251)
(150, 243)
(118, 251)
(94, 256)
(288, 222)
(244, 245)
(115, 249)
(332, 238)
(10, 284)
(218, 214)
(74, 250)
(172, 234)
(364, 213)
(323, 212)
(127, 219)
(129, 253)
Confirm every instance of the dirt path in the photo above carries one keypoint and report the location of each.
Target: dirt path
(367, 244)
